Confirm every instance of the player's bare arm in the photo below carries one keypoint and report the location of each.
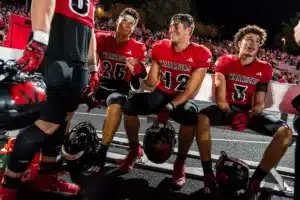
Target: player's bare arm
(42, 14)
(259, 103)
(193, 86)
(153, 75)
(92, 55)
(220, 91)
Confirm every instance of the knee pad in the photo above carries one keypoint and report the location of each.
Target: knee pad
(27, 144)
(187, 114)
(53, 143)
(116, 98)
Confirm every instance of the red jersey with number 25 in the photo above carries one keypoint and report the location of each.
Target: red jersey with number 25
(113, 56)
(177, 67)
(241, 81)
(80, 10)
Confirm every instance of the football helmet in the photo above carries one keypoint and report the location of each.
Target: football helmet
(159, 142)
(21, 96)
(232, 175)
(82, 140)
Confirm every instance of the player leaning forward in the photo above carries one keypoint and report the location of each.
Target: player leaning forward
(241, 85)
(177, 71)
(121, 63)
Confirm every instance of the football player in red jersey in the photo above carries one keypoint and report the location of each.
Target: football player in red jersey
(177, 71)
(59, 46)
(241, 83)
(121, 60)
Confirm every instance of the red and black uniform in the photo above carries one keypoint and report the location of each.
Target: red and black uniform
(115, 76)
(242, 82)
(176, 69)
(66, 73)
(71, 30)
(65, 67)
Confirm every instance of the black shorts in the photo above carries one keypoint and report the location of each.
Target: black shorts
(265, 124)
(64, 89)
(154, 102)
(69, 40)
(110, 96)
(65, 67)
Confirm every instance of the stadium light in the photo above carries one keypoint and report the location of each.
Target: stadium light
(283, 45)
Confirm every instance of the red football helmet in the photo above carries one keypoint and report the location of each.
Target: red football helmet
(159, 143)
(21, 96)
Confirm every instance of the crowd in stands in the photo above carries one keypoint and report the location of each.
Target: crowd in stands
(275, 57)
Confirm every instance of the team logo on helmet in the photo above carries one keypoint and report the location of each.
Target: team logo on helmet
(22, 94)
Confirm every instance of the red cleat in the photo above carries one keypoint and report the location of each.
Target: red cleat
(178, 173)
(134, 153)
(54, 184)
(8, 194)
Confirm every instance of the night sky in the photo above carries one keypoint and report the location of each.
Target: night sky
(237, 13)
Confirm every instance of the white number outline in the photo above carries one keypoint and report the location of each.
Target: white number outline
(80, 2)
(239, 92)
(178, 82)
(181, 83)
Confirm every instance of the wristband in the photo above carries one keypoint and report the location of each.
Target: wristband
(40, 37)
(93, 68)
(171, 106)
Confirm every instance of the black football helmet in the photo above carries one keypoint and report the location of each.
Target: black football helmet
(21, 96)
(81, 141)
(232, 175)
(159, 142)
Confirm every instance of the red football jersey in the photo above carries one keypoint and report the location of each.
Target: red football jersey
(80, 10)
(177, 67)
(113, 55)
(241, 81)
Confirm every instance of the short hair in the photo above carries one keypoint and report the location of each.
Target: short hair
(132, 12)
(250, 29)
(186, 19)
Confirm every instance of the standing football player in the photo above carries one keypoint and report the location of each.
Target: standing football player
(241, 83)
(121, 60)
(178, 69)
(62, 31)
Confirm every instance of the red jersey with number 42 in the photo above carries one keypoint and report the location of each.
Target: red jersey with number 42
(241, 81)
(177, 67)
(80, 10)
(113, 56)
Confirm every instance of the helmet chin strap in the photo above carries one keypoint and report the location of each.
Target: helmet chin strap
(70, 157)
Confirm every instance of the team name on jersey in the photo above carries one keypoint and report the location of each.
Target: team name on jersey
(174, 65)
(243, 79)
(113, 56)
